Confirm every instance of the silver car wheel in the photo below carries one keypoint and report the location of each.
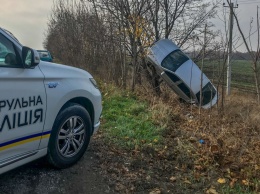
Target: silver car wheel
(71, 136)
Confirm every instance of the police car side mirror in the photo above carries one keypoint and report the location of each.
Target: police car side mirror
(30, 57)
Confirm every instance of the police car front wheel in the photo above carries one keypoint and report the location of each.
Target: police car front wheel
(70, 136)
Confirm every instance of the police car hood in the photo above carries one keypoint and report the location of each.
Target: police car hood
(54, 70)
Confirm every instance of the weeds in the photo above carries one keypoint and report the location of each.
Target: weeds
(237, 189)
(180, 144)
(129, 122)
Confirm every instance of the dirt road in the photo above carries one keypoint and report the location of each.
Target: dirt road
(40, 178)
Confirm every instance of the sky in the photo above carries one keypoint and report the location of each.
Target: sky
(246, 11)
(27, 19)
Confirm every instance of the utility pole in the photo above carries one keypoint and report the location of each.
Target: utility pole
(202, 65)
(231, 21)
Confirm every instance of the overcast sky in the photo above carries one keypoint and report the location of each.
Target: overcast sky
(27, 19)
(246, 10)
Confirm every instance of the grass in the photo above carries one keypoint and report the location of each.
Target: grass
(232, 145)
(127, 121)
(243, 67)
(237, 189)
(242, 72)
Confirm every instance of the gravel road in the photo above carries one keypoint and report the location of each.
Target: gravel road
(40, 178)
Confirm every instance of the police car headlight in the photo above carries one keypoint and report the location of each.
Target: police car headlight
(93, 82)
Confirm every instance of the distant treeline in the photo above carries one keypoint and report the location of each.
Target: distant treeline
(241, 56)
(215, 54)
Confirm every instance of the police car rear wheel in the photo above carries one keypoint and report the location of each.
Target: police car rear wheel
(70, 136)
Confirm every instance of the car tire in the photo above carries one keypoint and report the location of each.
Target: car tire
(70, 136)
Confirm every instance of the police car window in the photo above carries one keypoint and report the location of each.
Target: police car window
(7, 53)
(174, 60)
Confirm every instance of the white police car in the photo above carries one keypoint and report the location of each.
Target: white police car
(182, 74)
(45, 108)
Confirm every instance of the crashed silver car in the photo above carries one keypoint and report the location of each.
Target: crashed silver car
(182, 74)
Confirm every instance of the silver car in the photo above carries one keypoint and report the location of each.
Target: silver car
(182, 74)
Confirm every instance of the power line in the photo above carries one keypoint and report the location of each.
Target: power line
(249, 3)
(246, 1)
(246, 38)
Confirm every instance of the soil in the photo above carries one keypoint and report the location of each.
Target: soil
(106, 169)
(150, 170)
(39, 177)
(181, 163)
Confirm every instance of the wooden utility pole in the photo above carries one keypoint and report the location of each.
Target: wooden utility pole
(231, 21)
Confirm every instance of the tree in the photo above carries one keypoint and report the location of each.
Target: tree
(180, 20)
(254, 55)
(113, 36)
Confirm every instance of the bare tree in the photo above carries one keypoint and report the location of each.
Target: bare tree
(112, 36)
(255, 55)
(180, 20)
(87, 41)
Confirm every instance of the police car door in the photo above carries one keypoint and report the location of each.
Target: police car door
(22, 105)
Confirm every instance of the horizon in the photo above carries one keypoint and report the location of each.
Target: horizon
(28, 21)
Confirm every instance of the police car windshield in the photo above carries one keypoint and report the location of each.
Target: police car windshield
(174, 60)
(3, 48)
(11, 35)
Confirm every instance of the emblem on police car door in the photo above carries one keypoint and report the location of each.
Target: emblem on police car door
(53, 84)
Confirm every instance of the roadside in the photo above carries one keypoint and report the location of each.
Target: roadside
(156, 146)
(39, 177)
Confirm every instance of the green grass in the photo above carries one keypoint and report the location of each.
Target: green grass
(127, 121)
(242, 72)
(251, 188)
(242, 67)
(237, 189)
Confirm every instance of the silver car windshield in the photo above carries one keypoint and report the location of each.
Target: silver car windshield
(208, 93)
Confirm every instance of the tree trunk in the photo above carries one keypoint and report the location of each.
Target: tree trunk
(134, 63)
(256, 82)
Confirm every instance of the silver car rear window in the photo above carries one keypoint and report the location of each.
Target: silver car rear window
(174, 60)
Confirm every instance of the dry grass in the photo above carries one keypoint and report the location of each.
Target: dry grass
(230, 148)
(231, 136)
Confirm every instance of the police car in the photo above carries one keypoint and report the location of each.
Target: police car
(46, 109)
(181, 74)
